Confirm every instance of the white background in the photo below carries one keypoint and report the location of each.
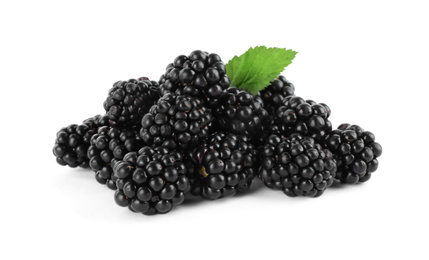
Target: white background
(368, 61)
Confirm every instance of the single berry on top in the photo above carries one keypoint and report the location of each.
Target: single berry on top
(274, 95)
(201, 75)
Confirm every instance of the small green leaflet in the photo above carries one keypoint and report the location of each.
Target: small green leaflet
(257, 67)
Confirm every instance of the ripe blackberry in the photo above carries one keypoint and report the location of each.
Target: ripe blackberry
(201, 75)
(226, 164)
(177, 122)
(274, 95)
(241, 113)
(109, 145)
(128, 101)
(355, 151)
(297, 165)
(151, 181)
(305, 117)
(72, 142)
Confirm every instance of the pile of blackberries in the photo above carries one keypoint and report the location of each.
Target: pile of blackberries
(193, 134)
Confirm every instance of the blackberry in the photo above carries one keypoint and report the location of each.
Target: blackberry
(128, 101)
(151, 181)
(226, 164)
(274, 95)
(241, 113)
(109, 145)
(201, 75)
(297, 165)
(301, 116)
(72, 142)
(355, 151)
(177, 122)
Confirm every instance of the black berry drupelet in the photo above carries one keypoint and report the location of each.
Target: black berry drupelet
(224, 165)
(241, 113)
(201, 75)
(176, 122)
(128, 101)
(109, 145)
(151, 181)
(72, 142)
(296, 165)
(274, 95)
(305, 117)
(355, 151)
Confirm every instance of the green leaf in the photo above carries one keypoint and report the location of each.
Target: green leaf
(257, 67)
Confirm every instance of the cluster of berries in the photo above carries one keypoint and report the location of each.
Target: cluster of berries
(194, 134)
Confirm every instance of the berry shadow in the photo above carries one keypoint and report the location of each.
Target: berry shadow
(82, 173)
(257, 186)
(191, 200)
(337, 185)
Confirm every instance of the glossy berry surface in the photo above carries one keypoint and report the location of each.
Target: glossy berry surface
(72, 142)
(297, 165)
(176, 122)
(274, 95)
(108, 146)
(355, 151)
(224, 165)
(151, 181)
(241, 113)
(201, 75)
(128, 101)
(305, 117)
